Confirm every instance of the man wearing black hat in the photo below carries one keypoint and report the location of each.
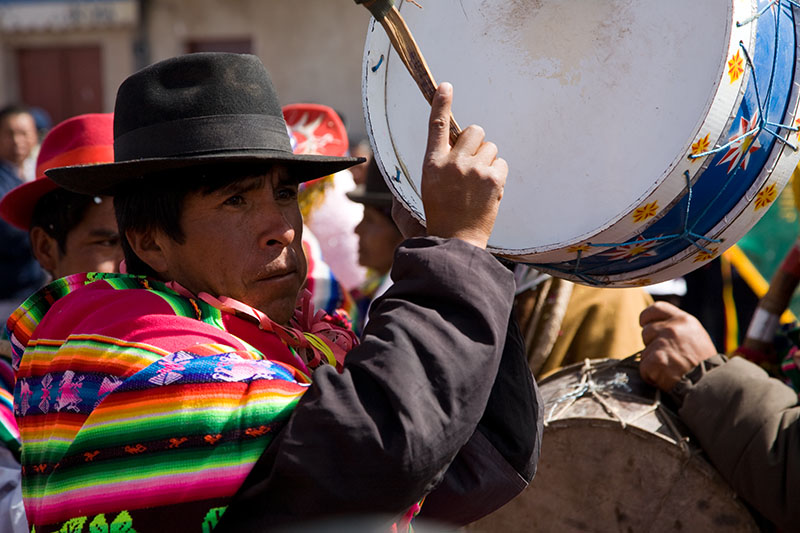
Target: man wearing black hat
(198, 392)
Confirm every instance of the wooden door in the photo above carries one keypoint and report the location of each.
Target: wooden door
(64, 81)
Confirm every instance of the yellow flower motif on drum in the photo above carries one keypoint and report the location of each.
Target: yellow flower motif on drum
(633, 250)
(701, 146)
(706, 255)
(766, 196)
(797, 125)
(736, 67)
(645, 212)
(580, 248)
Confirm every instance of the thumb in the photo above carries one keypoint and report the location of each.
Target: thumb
(657, 312)
(439, 125)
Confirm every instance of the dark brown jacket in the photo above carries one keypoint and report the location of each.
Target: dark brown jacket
(438, 397)
(749, 426)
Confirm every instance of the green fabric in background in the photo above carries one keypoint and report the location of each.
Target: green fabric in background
(768, 242)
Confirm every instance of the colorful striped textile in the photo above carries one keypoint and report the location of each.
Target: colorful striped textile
(143, 408)
(9, 432)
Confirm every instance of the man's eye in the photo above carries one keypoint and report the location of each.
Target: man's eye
(234, 200)
(110, 243)
(286, 193)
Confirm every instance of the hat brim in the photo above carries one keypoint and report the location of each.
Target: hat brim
(371, 198)
(18, 204)
(107, 178)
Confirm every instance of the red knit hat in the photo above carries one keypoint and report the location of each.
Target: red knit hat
(81, 140)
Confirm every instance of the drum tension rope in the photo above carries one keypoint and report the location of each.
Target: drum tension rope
(762, 125)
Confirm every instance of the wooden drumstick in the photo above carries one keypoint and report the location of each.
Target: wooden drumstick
(403, 42)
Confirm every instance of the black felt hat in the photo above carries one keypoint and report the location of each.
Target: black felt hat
(193, 110)
(373, 191)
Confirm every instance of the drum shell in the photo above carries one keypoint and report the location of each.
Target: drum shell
(628, 465)
(609, 255)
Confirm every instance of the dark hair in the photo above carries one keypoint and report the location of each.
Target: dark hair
(14, 109)
(156, 202)
(59, 211)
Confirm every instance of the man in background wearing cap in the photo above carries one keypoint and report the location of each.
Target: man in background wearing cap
(378, 237)
(70, 233)
(192, 393)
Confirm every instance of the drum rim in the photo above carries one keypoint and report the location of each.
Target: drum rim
(544, 253)
(738, 219)
(777, 170)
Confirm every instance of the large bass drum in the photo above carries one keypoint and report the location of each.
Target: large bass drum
(644, 137)
(614, 458)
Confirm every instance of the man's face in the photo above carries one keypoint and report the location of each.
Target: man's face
(243, 241)
(377, 239)
(17, 138)
(91, 246)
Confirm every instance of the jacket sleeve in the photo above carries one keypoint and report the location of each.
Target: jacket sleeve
(749, 426)
(380, 436)
(500, 459)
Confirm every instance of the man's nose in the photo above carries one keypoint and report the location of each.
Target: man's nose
(275, 226)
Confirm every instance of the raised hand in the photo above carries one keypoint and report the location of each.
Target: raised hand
(461, 186)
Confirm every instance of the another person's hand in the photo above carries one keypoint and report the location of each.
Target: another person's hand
(405, 221)
(461, 186)
(675, 342)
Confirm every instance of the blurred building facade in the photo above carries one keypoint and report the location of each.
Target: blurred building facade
(69, 57)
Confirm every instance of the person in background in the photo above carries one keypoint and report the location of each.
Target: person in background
(317, 129)
(361, 148)
(565, 323)
(70, 233)
(20, 275)
(43, 124)
(378, 238)
(18, 138)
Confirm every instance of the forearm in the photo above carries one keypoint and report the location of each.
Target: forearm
(379, 436)
(748, 424)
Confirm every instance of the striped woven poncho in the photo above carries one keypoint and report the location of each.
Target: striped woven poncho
(144, 409)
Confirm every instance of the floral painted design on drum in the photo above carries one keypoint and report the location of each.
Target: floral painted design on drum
(766, 196)
(736, 67)
(579, 248)
(633, 250)
(645, 212)
(747, 143)
(701, 146)
(706, 255)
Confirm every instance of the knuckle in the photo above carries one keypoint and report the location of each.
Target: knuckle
(439, 123)
(474, 129)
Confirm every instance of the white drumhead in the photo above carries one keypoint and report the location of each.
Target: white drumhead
(592, 102)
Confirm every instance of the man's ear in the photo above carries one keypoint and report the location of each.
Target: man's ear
(45, 249)
(146, 245)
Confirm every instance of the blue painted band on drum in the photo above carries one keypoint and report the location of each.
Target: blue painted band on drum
(777, 78)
